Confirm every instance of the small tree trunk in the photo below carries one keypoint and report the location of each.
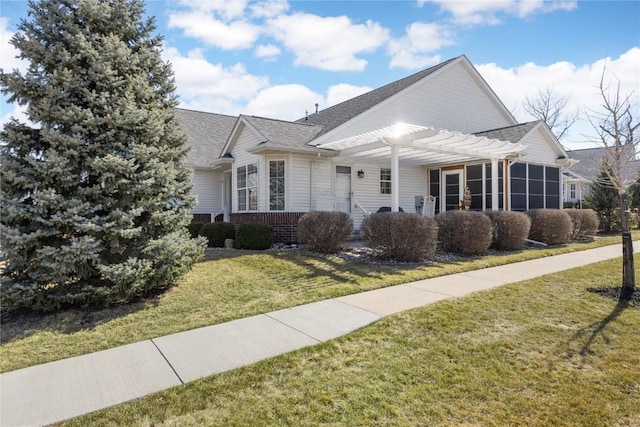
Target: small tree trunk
(628, 272)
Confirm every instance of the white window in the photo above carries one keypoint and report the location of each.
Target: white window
(385, 181)
(572, 191)
(276, 185)
(247, 185)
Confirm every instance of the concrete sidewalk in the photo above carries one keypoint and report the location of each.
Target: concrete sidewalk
(55, 391)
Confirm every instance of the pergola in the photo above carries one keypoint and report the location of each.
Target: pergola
(418, 145)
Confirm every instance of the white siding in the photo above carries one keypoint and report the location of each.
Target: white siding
(452, 100)
(207, 188)
(323, 177)
(366, 191)
(539, 150)
(298, 183)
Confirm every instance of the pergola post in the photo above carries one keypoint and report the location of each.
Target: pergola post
(495, 189)
(395, 179)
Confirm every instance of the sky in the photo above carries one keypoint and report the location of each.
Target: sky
(278, 58)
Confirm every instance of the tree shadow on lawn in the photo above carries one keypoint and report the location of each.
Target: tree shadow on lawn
(598, 328)
(25, 323)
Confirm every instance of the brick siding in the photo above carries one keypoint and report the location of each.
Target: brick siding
(285, 224)
(201, 218)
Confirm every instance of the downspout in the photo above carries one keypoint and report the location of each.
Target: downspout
(311, 186)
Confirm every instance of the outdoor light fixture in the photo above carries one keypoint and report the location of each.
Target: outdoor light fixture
(360, 173)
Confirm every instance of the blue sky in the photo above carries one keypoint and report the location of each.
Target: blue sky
(278, 58)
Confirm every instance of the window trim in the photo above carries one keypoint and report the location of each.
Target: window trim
(248, 190)
(384, 181)
(284, 185)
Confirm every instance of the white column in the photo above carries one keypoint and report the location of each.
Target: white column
(495, 189)
(395, 179)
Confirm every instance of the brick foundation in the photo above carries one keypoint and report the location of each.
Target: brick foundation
(285, 224)
(201, 218)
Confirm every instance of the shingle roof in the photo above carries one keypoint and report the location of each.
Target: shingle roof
(590, 163)
(283, 132)
(338, 114)
(207, 133)
(510, 133)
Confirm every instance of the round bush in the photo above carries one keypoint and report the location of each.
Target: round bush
(550, 226)
(510, 229)
(217, 232)
(400, 236)
(324, 231)
(585, 223)
(464, 232)
(254, 235)
(194, 228)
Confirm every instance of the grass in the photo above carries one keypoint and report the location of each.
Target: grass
(544, 352)
(226, 286)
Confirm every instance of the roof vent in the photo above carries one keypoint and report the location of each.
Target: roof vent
(317, 107)
(306, 115)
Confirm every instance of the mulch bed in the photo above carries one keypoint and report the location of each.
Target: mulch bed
(614, 293)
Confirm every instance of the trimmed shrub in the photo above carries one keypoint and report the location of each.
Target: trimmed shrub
(254, 235)
(464, 232)
(585, 223)
(324, 231)
(400, 236)
(510, 229)
(550, 226)
(217, 232)
(194, 228)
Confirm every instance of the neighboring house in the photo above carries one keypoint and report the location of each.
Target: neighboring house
(587, 165)
(433, 133)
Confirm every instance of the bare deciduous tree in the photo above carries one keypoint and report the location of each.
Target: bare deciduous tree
(550, 107)
(616, 128)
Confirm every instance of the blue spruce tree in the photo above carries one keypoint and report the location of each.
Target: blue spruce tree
(95, 198)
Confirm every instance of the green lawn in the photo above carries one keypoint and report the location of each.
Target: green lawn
(228, 285)
(543, 352)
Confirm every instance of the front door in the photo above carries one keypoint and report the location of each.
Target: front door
(343, 189)
(453, 189)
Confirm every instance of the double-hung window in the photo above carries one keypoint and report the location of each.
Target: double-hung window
(385, 181)
(247, 186)
(276, 185)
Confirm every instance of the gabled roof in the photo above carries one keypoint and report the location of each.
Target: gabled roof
(273, 134)
(338, 114)
(207, 134)
(520, 132)
(283, 132)
(590, 164)
(510, 133)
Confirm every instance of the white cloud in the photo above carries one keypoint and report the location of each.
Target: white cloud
(328, 43)
(18, 113)
(285, 102)
(267, 51)
(9, 63)
(473, 12)
(577, 83)
(236, 34)
(212, 87)
(268, 8)
(8, 53)
(226, 9)
(411, 51)
(341, 92)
